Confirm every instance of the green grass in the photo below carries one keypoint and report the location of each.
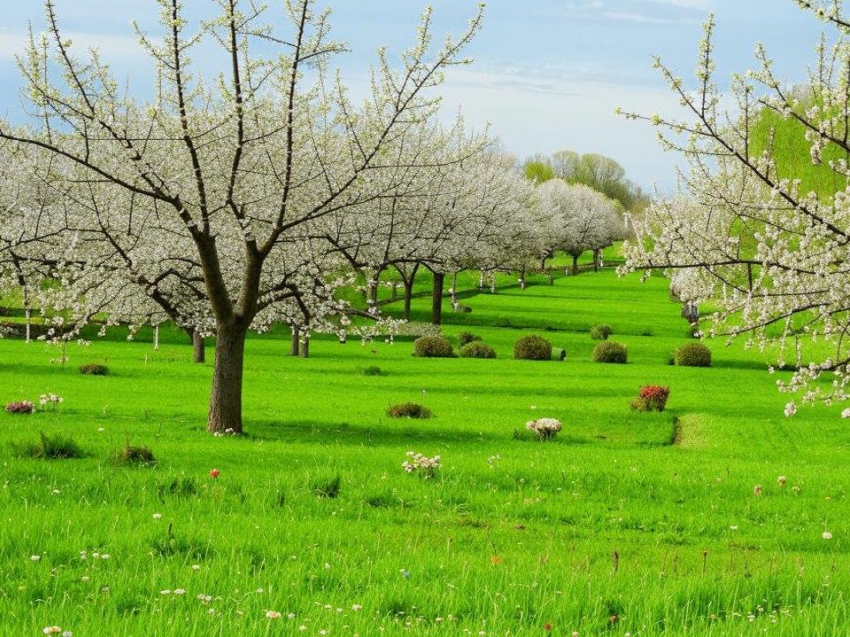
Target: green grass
(312, 513)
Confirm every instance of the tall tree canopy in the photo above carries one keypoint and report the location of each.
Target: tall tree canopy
(599, 172)
(204, 199)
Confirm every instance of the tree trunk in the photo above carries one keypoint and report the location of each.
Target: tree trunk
(408, 293)
(437, 299)
(305, 348)
(481, 279)
(226, 396)
(522, 279)
(156, 338)
(453, 290)
(199, 354)
(408, 281)
(551, 277)
(293, 347)
(27, 312)
(493, 283)
(575, 265)
(596, 260)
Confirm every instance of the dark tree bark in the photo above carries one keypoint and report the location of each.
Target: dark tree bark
(199, 350)
(407, 281)
(226, 395)
(437, 298)
(305, 348)
(596, 260)
(293, 347)
(408, 294)
(575, 264)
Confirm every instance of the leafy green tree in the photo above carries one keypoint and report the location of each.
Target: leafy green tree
(538, 170)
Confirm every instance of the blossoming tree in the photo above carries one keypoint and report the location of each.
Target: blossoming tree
(578, 219)
(770, 255)
(214, 184)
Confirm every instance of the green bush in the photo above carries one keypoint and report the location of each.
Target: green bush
(610, 352)
(372, 370)
(476, 349)
(433, 347)
(693, 355)
(533, 348)
(465, 338)
(49, 448)
(93, 369)
(601, 332)
(408, 410)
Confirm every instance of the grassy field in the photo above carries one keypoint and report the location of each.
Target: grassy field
(627, 523)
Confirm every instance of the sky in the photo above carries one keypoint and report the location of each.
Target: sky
(547, 74)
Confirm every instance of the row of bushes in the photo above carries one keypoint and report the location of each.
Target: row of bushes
(471, 346)
(537, 348)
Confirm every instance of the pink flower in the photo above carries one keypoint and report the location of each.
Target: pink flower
(214, 473)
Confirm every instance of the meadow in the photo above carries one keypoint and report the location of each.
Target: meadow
(673, 523)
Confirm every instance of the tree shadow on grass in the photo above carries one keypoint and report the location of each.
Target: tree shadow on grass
(378, 435)
(755, 365)
(398, 435)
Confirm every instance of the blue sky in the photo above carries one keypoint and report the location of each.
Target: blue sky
(548, 74)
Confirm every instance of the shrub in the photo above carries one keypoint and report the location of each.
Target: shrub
(20, 407)
(373, 370)
(610, 352)
(477, 350)
(433, 347)
(601, 332)
(693, 355)
(651, 398)
(465, 338)
(131, 455)
(533, 348)
(408, 410)
(93, 369)
(50, 448)
(544, 428)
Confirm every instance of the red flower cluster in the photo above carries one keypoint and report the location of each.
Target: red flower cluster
(22, 407)
(651, 398)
